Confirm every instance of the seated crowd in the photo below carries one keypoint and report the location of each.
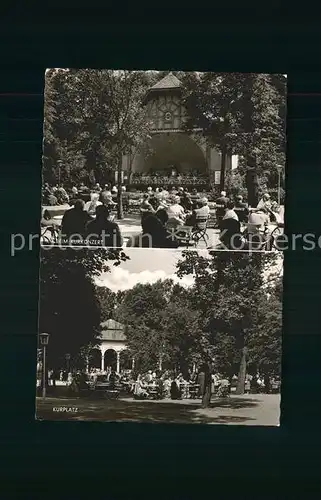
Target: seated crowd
(167, 384)
(240, 224)
(161, 212)
(87, 222)
(164, 212)
(59, 195)
(168, 217)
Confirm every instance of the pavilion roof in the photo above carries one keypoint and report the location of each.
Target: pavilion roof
(112, 330)
(169, 81)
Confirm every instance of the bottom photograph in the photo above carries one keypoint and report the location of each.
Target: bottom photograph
(159, 336)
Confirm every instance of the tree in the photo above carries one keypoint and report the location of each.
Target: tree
(261, 134)
(265, 344)
(142, 312)
(243, 114)
(230, 292)
(59, 131)
(69, 306)
(109, 301)
(184, 337)
(211, 103)
(161, 325)
(101, 118)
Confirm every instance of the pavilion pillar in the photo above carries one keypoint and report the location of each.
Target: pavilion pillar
(102, 361)
(118, 362)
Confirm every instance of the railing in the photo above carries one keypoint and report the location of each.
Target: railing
(169, 181)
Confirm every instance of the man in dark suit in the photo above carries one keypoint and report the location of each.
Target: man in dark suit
(221, 203)
(102, 231)
(241, 209)
(73, 224)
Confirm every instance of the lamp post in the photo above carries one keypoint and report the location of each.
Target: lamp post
(44, 340)
(280, 168)
(68, 362)
(59, 163)
(160, 363)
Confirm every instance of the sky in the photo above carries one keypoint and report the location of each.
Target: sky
(150, 265)
(145, 266)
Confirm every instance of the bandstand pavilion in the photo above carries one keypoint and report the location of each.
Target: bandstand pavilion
(172, 150)
(112, 349)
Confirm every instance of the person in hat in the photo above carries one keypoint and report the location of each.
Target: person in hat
(265, 204)
(176, 211)
(146, 208)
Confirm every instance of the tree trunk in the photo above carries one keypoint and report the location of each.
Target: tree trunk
(240, 388)
(252, 185)
(223, 168)
(130, 169)
(98, 175)
(120, 213)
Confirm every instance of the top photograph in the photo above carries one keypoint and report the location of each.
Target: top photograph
(163, 159)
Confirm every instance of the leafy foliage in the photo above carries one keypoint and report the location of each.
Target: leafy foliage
(108, 301)
(231, 310)
(69, 306)
(93, 117)
(244, 114)
(239, 310)
(96, 115)
(160, 321)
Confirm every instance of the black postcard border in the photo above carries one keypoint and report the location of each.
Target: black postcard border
(170, 453)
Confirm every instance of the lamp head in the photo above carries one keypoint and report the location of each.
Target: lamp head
(44, 338)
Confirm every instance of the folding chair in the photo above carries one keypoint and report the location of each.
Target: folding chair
(199, 231)
(182, 234)
(49, 235)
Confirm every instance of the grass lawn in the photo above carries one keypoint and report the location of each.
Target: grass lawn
(260, 409)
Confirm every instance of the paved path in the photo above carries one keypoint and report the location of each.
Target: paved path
(260, 409)
(130, 226)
